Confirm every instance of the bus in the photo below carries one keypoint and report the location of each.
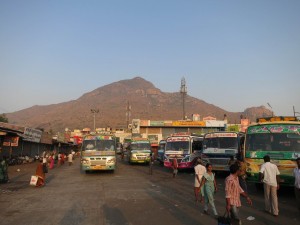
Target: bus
(278, 137)
(218, 147)
(98, 152)
(161, 151)
(185, 147)
(139, 151)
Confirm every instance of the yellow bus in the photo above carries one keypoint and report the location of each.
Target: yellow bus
(98, 152)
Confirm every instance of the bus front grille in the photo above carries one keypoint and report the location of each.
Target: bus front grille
(218, 161)
(98, 162)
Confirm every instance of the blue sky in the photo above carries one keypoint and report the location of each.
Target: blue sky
(233, 54)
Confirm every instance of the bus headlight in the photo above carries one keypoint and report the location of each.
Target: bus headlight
(166, 158)
(111, 161)
(186, 159)
(85, 161)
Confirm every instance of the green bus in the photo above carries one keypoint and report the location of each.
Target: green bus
(139, 151)
(278, 138)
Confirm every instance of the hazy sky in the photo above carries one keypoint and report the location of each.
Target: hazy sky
(233, 54)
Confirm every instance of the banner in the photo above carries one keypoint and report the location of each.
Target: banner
(189, 123)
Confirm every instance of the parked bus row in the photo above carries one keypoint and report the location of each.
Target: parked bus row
(278, 137)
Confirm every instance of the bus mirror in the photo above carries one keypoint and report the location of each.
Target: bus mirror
(293, 136)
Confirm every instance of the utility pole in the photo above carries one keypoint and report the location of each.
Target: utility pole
(128, 113)
(183, 92)
(94, 111)
(271, 109)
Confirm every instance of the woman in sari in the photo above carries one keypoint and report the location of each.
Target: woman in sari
(40, 174)
(51, 161)
(210, 187)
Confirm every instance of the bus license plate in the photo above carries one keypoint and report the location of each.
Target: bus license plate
(98, 167)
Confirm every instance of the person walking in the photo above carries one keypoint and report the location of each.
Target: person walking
(175, 166)
(4, 170)
(269, 175)
(242, 174)
(200, 170)
(40, 174)
(210, 188)
(70, 159)
(233, 191)
(296, 173)
(59, 159)
(151, 163)
(51, 161)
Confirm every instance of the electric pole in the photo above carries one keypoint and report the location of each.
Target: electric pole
(128, 113)
(183, 92)
(94, 111)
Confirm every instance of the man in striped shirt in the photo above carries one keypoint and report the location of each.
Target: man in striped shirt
(233, 191)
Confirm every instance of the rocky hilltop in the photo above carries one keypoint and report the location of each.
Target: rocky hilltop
(146, 101)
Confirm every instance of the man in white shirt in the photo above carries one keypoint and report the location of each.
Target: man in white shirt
(296, 174)
(70, 159)
(200, 170)
(269, 175)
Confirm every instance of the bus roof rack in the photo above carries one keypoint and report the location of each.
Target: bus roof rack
(276, 119)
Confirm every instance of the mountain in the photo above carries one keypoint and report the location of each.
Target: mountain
(146, 101)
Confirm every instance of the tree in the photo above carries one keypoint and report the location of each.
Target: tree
(3, 118)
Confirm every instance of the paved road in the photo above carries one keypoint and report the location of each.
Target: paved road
(128, 196)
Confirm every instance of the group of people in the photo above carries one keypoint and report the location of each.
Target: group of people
(48, 161)
(205, 187)
(235, 186)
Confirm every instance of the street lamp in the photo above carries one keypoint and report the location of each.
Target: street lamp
(94, 111)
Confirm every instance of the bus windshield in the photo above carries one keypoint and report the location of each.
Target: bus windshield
(177, 146)
(273, 142)
(162, 145)
(140, 146)
(221, 142)
(98, 145)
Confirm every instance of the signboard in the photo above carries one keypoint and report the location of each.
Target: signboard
(11, 141)
(136, 126)
(32, 134)
(188, 123)
(168, 122)
(214, 135)
(157, 123)
(144, 123)
(215, 123)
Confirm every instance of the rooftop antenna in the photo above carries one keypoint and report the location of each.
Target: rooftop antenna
(183, 92)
